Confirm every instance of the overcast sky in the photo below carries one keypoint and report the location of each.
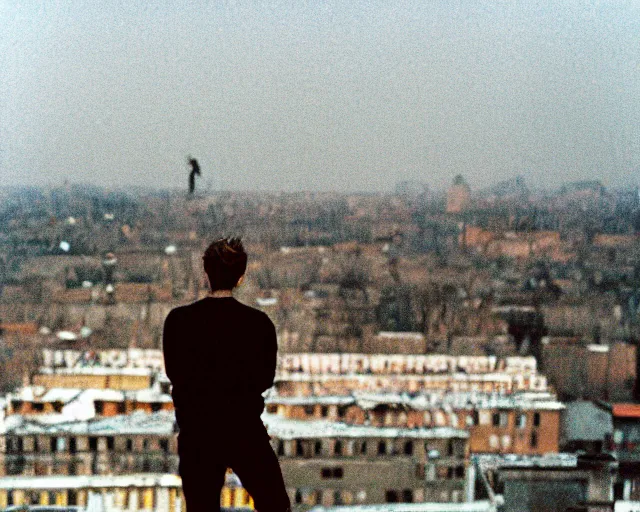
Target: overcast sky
(319, 95)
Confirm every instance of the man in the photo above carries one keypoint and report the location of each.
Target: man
(195, 170)
(220, 355)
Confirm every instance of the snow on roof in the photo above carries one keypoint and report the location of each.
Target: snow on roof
(148, 395)
(422, 401)
(444, 377)
(598, 348)
(401, 335)
(63, 395)
(310, 400)
(96, 370)
(285, 428)
(494, 461)
(138, 422)
(269, 301)
(475, 506)
(26, 393)
(88, 482)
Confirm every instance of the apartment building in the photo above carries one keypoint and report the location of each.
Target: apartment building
(523, 424)
(331, 463)
(138, 442)
(339, 374)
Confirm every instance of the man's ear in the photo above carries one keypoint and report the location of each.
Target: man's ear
(241, 280)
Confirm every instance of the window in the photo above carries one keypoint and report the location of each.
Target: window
(459, 473)
(534, 439)
(522, 421)
(110, 443)
(272, 408)
(298, 496)
(363, 447)
(382, 448)
(317, 448)
(129, 445)
(145, 444)
(57, 444)
(500, 419)
(93, 444)
(72, 497)
(299, 447)
(337, 448)
(325, 411)
(280, 448)
(308, 410)
(337, 497)
(391, 497)
(408, 448)
(156, 406)
(37, 407)
(407, 496)
(14, 445)
(57, 406)
(99, 405)
(536, 419)
(122, 408)
(332, 472)
(164, 445)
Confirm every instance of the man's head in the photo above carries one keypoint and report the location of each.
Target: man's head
(225, 263)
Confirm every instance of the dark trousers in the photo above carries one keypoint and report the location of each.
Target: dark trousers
(204, 459)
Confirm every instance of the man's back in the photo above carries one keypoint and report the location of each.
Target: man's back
(220, 355)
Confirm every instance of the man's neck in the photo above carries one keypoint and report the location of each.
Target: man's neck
(218, 294)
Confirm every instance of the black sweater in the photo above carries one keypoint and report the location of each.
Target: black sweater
(220, 355)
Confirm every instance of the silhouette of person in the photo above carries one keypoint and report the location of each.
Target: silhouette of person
(195, 169)
(220, 356)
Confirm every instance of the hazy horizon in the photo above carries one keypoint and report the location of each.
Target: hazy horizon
(320, 96)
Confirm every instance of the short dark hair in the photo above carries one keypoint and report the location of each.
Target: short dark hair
(225, 261)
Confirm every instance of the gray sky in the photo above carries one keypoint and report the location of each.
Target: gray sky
(319, 95)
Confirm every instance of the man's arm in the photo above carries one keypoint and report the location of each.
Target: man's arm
(270, 351)
(169, 346)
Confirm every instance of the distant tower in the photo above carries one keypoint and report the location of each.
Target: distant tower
(458, 195)
(195, 169)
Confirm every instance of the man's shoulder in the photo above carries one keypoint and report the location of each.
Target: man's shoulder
(201, 306)
(253, 312)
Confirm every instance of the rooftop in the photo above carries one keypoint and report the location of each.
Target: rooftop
(626, 410)
(433, 400)
(285, 428)
(138, 422)
(84, 482)
(476, 506)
